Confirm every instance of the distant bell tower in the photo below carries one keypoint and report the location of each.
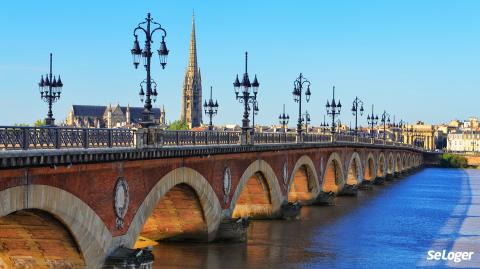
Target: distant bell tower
(192, 87)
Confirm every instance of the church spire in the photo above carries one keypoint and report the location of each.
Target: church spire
(192, 61)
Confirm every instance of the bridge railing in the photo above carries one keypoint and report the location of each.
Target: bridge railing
(191, 138)
(26, 138)
(19, 137)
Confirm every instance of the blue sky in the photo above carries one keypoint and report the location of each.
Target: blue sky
(419, 60)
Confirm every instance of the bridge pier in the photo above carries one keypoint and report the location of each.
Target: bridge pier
(325, 198)
(232, 230)
(379, 181)
(125, 258)
(365, 185)
(349, 190)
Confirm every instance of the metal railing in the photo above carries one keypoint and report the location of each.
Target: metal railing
(61, 137)
(28, 138)
(191, 138)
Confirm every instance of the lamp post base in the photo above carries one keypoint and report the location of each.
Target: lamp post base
(147, 119)
(49, 122)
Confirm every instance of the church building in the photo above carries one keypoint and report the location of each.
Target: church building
(192, 87)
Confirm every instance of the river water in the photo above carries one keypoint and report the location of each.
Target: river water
(390, 226)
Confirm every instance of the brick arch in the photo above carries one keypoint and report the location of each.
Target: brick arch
(369, 168)
(390, 164)
(381, 165)
(303, 183)
(212, 210)
(333, 179)
(398, 163)
(354, 170)
(89, 231)
(260, 168)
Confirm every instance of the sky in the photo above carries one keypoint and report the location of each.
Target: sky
(417, 60)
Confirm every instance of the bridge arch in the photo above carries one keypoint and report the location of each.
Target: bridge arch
(355, 171)
(182, 183)
(303, 184)
(410, 161)
(398, 163)
(391, 164)
(259, 177)
(333, 179)
(88, 230)
(381, 165)
(369, 171)
(404, 161)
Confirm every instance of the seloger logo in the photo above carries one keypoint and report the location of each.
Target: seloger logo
(444, 255)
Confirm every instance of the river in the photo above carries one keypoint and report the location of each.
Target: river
(390, 226)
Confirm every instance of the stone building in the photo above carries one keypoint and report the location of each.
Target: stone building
(110, 116)
(463, 141)
(192, 87)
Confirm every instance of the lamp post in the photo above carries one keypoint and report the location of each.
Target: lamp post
(356, 103)
(306, 119)
(211, 109)
(385, 119)
(255, 112)
(283, 119)
(246, 96)
(400, 129)
(50, 90)
(333, 109)
(324, 125)
(146, 54)
(298, 85)
(372, 120)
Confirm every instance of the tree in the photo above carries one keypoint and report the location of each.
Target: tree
(177, 125)
(39, 123)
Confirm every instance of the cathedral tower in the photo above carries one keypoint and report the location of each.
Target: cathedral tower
(192, 87)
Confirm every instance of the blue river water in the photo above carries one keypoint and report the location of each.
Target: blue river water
(390, 226)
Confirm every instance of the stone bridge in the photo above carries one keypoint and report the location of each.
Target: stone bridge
(76, 205)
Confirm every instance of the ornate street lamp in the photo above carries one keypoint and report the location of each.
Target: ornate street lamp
(246, 95)
(306, 119)
(355, 110)
(385, 119)
(255, 112)
(211, 109)
(372, 121)
(298, 85)
(283, 119)
(146, 55)
(333, 109)
(50, 90)
(324, 125)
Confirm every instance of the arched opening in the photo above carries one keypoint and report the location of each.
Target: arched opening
(381, 166)
(398, 164)
(33, 238)
(333, 178)
(404, 162)
(177, 216)
(254, 200)
(302, 187)
(369, 169)
(390, 166)
(354, 171)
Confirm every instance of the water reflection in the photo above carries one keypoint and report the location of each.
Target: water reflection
(389, 226)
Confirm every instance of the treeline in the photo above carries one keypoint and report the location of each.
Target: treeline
(449, 160)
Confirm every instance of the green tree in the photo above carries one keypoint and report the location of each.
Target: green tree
(177, 125)
(39, 123)
(453, 161)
